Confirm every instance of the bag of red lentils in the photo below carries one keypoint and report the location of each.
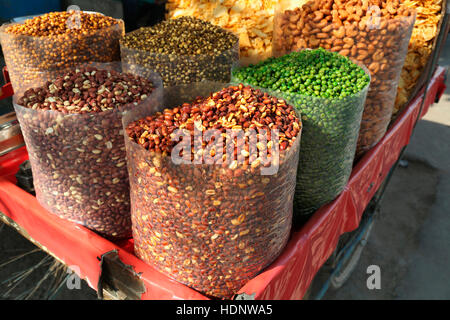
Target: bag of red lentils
(208, 209)
(72, 128)
(38, 49)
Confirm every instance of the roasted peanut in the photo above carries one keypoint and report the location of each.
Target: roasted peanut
(215, 235)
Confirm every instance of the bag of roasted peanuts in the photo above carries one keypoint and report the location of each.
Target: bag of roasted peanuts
(212, 179)
(38, 49)
(73, 131)
(375, 33)
(182, 51)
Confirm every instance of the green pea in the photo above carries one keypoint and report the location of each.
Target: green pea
(329, 90)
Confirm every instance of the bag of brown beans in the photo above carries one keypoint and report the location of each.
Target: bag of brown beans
(38, 49)
(375, 33)
(73, 131)
(212, 225)
(182, 51)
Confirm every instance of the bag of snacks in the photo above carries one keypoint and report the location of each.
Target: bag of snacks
(375, 33)
(38, 49)
(182, 51)
(214, 209)
(73, 131)
(424, 38)
(251, 20)
(329, 91)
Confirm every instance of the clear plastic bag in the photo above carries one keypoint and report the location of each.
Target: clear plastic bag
(79, 163)
(183, 69)
(378, 42)
(33, 60)
(330, 133)
(252, 21)
(209, 227)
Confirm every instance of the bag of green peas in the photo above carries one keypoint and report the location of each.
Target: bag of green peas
(330, 91)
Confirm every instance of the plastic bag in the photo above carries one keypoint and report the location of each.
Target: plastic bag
(207, 226)
(378, 42)
(183, 69)
(32, 61)
(330, 133)
(251, 20)
(79, 164)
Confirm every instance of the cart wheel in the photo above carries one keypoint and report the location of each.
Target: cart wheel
(339, 279)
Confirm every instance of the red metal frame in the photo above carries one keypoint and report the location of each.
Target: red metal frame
(7, 90)
(287, 278)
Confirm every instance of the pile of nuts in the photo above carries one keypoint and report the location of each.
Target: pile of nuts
(329, 91)
(74, 135)
(183, 50)
(43, 48)
(375, 33)
(251, 20)
(213, 226)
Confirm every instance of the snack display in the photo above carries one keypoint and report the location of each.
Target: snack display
(329, 91)
(420, 47)
(211, 153)
(217, 220)
(72, 127)
(39, 49)
(183, 50)
(251, 20)
(374, 33)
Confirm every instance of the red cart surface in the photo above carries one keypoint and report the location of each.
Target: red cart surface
(289, 277)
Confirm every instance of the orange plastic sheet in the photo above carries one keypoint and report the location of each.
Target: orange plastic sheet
(287, 278)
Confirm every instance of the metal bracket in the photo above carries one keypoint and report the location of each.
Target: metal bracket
(118, 281)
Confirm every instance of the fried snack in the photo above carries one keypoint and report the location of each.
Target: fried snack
(251, 20)
(420, 47)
